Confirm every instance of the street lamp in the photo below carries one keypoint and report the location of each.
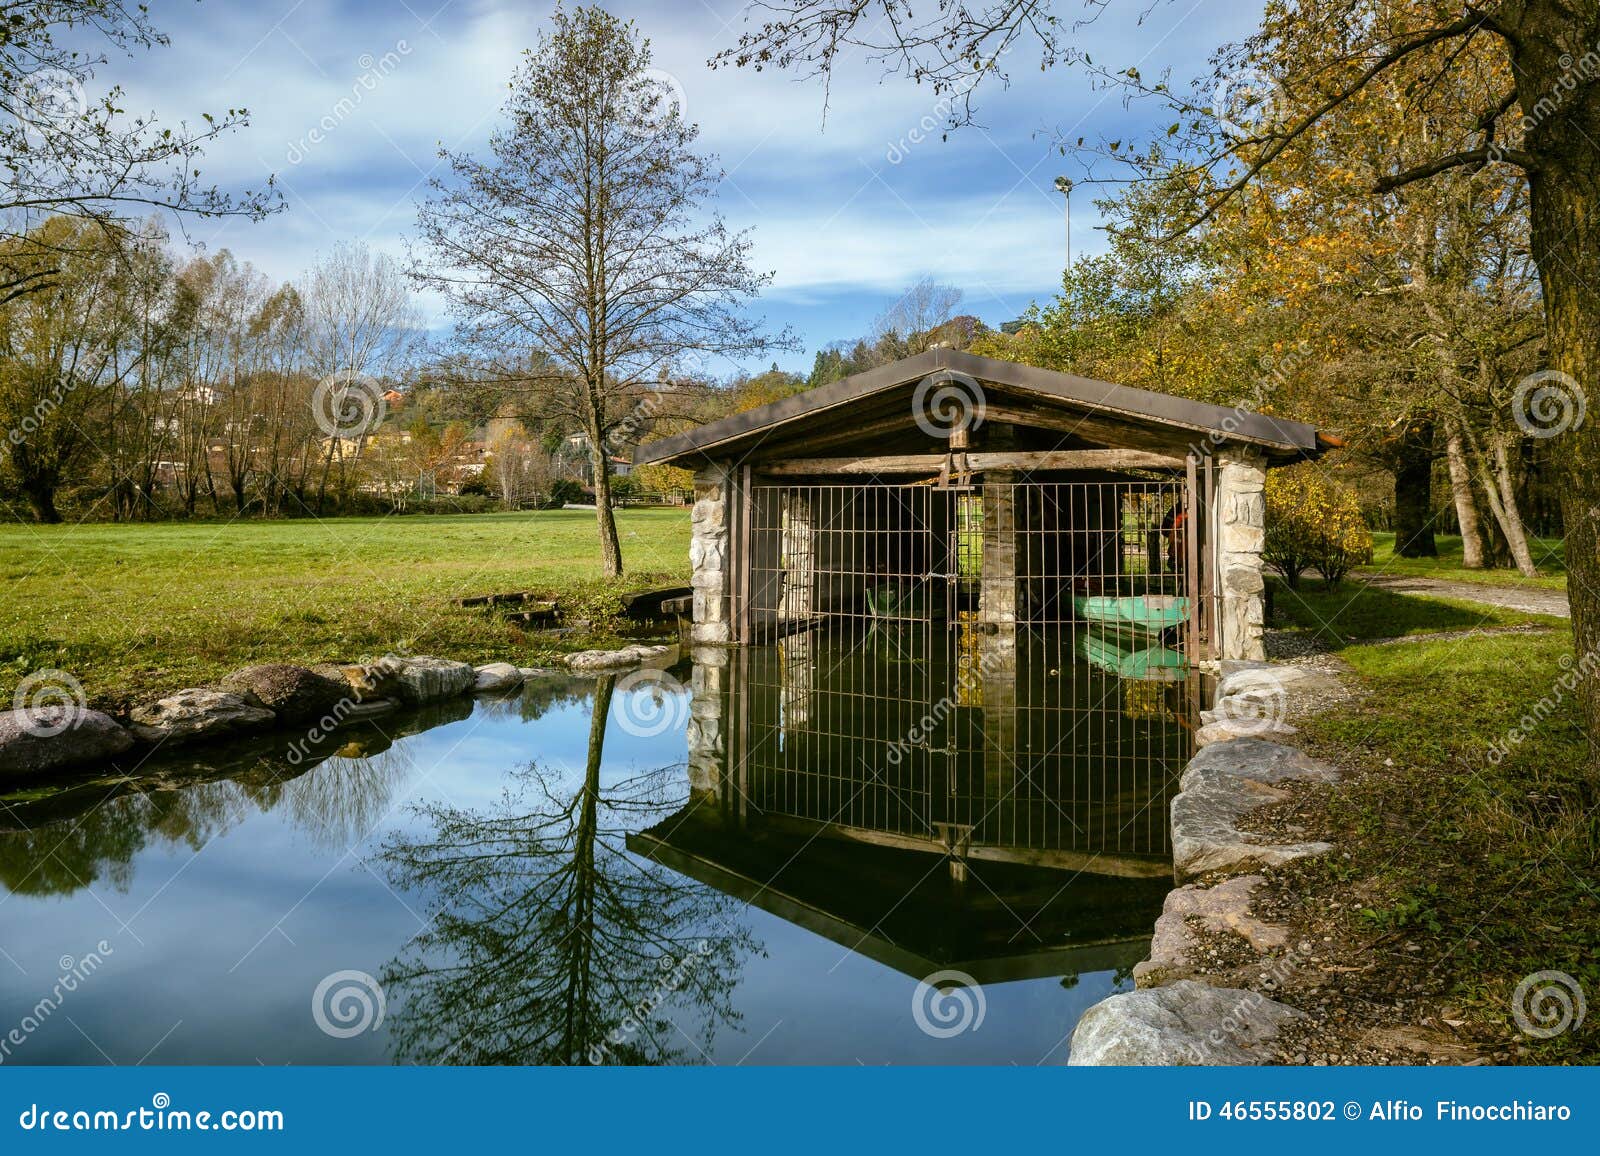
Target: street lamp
(1064, 187)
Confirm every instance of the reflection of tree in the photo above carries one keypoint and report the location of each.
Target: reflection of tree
(101, 842)
(549, 942)
(82, 833)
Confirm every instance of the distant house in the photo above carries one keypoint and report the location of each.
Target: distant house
(573, 459)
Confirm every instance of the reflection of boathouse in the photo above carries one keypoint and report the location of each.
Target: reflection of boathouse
(958, 606)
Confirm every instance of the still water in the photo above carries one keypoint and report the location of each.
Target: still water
(754, 858)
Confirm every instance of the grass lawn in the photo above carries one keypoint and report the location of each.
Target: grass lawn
(1477, 858)
(1549, 554)
(137, 610)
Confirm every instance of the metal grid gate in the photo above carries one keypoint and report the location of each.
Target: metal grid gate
(999, 669)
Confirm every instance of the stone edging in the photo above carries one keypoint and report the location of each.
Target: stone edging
(1172, 1018)
(39, 740)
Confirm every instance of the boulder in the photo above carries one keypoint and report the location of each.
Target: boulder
(1221, 730)
(422, 679)
(198, 712)
(1258, 761)
(1185, 1024)
(496, 676)
(43, 738)
(1223, 908)
(362, 682)
(1225, 781)
(410, 680)
(591, 661)
(293, 693)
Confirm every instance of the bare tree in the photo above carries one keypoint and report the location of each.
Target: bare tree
(914, 320)
(580, 259)
(361, 324)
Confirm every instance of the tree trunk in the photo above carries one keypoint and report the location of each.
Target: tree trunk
(605, 518)
(1509, 512)
(1413, 492)
(1461, 492)
(1564, 194)
(41, 495)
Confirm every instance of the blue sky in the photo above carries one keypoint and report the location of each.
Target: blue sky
(845, 213)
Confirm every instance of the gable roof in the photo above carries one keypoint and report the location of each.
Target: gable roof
(1040, 391)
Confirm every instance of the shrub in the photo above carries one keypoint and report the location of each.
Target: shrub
(1313, 524)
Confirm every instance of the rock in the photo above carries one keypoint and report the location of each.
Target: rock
(371, 708)
(1225, 781)
(1281, 687)
(496, 676)
(293, 693)
(198, 712)
(590, 661)
(1183, 1024)
(411, 680)
(362, 682)
(424, 679)
(528, 672)
(43, 738)
(1257, 760)
(1222, 908)
(1222, 730)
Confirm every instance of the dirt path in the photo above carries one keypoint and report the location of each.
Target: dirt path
(1529, 599)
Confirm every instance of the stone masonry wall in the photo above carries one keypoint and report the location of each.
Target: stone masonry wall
(1242, 521)
(708, 555)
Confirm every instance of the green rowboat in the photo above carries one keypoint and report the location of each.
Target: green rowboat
(1132, 656)
(1152, 612)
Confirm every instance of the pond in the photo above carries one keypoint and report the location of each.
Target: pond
(832, 849)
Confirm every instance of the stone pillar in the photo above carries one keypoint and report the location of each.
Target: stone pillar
(711, 577)
(708, 741)
(1241, 533)
(997, 585)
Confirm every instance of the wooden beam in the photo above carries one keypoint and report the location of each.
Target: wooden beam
(1021, 460)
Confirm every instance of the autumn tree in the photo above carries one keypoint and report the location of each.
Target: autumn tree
(1310, 59)
(64, 348)
(581, 258)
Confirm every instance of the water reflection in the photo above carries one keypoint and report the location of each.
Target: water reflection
(530, 888)
(548, 943)
(964, 798)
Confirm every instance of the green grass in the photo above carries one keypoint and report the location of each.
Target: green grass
(1549, 554)
(1485, 851)
(133, 611)
(1354, 612)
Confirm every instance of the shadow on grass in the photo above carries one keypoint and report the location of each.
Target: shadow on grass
(1355, 612)
(1549, 555)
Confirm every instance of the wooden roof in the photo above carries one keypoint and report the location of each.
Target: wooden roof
(1039, 409)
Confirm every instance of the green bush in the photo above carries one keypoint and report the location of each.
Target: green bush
(1313, 524)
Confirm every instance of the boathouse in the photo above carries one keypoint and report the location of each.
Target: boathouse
(946, 494)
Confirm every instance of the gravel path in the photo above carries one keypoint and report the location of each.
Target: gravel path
(1529, 599)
